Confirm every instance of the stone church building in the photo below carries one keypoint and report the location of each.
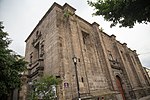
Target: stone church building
(106, 68)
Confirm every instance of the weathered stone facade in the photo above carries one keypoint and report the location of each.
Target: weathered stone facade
(106, 68)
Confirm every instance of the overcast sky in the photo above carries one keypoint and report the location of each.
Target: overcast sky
(21, 16)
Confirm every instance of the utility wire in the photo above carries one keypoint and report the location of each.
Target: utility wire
(144, 53)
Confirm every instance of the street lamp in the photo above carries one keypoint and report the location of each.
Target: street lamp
(75, 64)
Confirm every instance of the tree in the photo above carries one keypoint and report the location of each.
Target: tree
(11, 65)
(44, 88)
(124, 12)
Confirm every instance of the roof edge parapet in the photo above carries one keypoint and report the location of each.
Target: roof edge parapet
(67, 6)
(94, 23)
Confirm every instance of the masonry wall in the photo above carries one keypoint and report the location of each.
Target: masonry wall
(130, 70)
(61, 35)
(92, 80)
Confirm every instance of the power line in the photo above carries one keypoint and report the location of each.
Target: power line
(143, 53)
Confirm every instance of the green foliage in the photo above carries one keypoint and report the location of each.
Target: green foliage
(11, 65)
(67, 14)
(44, 87)
(124, 12)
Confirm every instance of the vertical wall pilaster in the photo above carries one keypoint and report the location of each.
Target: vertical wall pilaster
(128, 86)
(103, 55)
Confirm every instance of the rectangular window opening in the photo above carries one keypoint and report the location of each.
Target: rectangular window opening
(82, 79)
(85, 37)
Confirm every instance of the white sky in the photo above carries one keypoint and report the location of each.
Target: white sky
(21, 16)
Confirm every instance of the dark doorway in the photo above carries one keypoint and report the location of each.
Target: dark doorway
(120, 88)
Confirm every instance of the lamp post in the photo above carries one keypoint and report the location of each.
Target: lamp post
(75, 64)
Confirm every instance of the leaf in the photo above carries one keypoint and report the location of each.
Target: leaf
(131, 11)
(44, 87)
(11, 65)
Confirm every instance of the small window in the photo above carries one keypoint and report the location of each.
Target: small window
(58, 77)
(85, 36)
(37, 51)
(79, 59)
(82, 79)
(42, 49)
(31, 58)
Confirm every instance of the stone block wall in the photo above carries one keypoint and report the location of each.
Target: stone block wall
(60, 35)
